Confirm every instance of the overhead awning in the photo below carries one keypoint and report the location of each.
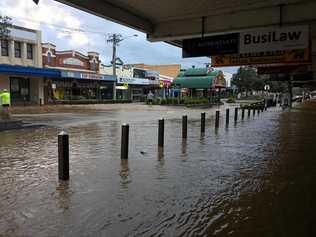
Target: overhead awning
(29, 71)
(194, 82)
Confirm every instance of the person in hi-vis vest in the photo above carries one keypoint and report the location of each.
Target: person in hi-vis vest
(5, 102)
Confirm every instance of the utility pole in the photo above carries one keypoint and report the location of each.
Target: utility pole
(114, 39)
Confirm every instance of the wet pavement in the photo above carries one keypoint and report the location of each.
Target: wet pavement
(253, 178)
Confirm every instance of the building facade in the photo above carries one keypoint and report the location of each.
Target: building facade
(80, 76)
(21, 65)
(133, 83)
(169, 70)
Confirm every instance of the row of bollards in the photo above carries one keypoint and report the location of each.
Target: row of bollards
(63, 138)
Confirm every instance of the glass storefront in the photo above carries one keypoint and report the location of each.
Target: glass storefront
(69, 89)
(19, 89)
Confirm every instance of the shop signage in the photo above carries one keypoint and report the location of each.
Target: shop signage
(88, 76)
(73, 62)
(211, 45)
(133, 81)
(274, 38)
(296, 56)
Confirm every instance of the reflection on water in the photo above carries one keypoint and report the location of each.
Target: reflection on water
(253, 178)
(160, 154)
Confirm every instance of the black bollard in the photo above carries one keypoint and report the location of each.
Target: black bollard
(40, 102)
(254, 112)
(227, 116)
(184, 126)
(63, 156)
(202, 123)
(217, 119)
(249, 111)
(161, 132)
(124, 141)
(236, 114)
(242, 114)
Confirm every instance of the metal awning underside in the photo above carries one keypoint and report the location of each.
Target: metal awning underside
(171, 21)
(29, 71)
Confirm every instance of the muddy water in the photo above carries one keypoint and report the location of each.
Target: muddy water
(253, 178)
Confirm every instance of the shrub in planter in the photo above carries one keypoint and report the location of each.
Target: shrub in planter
(231, 100)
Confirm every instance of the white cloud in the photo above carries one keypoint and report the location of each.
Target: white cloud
(46, 14)
(61, 24)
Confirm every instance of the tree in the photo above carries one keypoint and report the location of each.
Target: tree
(5, 24)
(247, 79)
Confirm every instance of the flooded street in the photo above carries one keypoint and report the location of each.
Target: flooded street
(254, 178)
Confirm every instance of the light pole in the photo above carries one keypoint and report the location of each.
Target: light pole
(115, 39)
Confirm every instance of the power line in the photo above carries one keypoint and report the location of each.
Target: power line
(73, 29)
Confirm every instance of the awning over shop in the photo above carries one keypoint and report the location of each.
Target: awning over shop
(200, 78)
(29, 71)
(194, 82)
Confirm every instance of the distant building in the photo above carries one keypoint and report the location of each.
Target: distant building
(170, 70)
(228, 77)
(133, 83)
(200, 81)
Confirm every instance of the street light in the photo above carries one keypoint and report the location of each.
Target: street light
(115, 39)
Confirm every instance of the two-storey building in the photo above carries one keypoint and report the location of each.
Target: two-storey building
(80, 76)
(21, 70)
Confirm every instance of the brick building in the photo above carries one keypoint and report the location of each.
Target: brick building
(80, 76)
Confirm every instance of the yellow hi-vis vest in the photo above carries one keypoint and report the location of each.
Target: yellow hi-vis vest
(5, 98)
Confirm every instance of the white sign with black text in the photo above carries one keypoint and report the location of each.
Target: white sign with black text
(274, 39)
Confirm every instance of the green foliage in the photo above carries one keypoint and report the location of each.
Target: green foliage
(5, 24)
(179, 101)
(231, 99)
(256, 105)
(247, 79)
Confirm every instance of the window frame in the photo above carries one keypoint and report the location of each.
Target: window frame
(17, 50)
(29, 51)
(5, 48)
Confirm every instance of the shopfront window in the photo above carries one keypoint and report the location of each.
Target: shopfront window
(20, 89)
(106, 91)
(70, 89)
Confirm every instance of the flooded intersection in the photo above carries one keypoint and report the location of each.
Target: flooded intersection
(253, 178)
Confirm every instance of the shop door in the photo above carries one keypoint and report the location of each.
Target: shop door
(19, 89)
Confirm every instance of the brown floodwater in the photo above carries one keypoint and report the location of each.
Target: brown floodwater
(253, 178)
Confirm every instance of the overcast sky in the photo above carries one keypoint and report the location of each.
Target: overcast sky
(69, 28)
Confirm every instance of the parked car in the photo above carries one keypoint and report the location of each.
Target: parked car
(313, 95)
(297, 98)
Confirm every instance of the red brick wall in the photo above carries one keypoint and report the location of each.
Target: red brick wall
(58, 61)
